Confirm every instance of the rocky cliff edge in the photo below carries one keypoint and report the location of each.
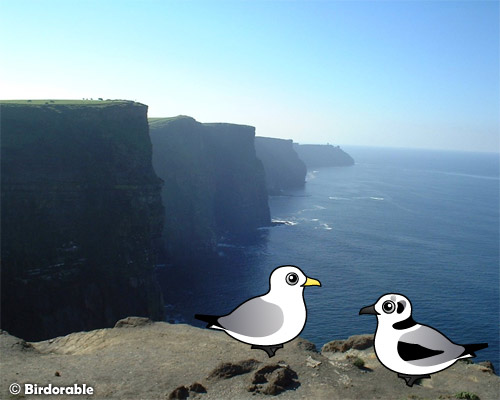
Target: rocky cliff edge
(139, 359)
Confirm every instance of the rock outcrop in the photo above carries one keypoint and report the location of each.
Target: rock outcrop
(81, 210)
(213, 184)
(357, 342)
(163, 361)
(319, 155)
(282, 166)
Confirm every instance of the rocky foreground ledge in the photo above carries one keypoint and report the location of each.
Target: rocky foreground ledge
(139, 359)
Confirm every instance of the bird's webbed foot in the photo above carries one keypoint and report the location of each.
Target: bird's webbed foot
(411, 379)
(270, 350)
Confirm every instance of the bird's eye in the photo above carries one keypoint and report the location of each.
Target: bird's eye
(292, 278)
(388, 307)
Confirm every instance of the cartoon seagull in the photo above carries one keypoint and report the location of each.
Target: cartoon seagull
(268, 321)
(412, 350)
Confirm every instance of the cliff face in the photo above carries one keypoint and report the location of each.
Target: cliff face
(81, 208)
(318, 155)
(241, 197)
(283, 168)
(214, 184)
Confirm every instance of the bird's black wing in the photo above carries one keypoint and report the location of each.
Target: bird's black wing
(471, 348)
(211, 320)
(426, 346)
(412, 351)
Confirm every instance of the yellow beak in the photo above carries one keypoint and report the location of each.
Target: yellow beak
(312, 282)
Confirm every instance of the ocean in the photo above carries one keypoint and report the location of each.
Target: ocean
(417, 222)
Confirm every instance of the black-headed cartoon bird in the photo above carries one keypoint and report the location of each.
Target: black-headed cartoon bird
(268, 321)
(411, 349)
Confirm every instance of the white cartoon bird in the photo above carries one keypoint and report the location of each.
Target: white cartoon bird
(268, 321)
(412, 350)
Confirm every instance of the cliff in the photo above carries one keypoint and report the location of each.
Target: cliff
(142, 360)
(80, 211)
(214, 184)
(282, 166)
(318, 155)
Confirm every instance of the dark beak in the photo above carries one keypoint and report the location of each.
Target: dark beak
(368, 310)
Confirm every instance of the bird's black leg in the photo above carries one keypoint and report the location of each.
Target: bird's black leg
(270, 350)
(411, 379)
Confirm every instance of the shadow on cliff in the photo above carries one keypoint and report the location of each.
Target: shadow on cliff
(203, 284)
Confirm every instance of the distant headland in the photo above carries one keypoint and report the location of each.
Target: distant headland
(318, 155)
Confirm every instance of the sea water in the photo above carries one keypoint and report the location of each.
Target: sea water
(421, 223)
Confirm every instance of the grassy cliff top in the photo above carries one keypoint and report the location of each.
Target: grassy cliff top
(273, 140)
(99, 103)
(160, 122)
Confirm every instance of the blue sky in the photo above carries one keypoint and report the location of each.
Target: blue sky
(405, 74)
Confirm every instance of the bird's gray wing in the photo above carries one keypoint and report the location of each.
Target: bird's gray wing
(412, 351)
(255, 318)
(426, 346)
